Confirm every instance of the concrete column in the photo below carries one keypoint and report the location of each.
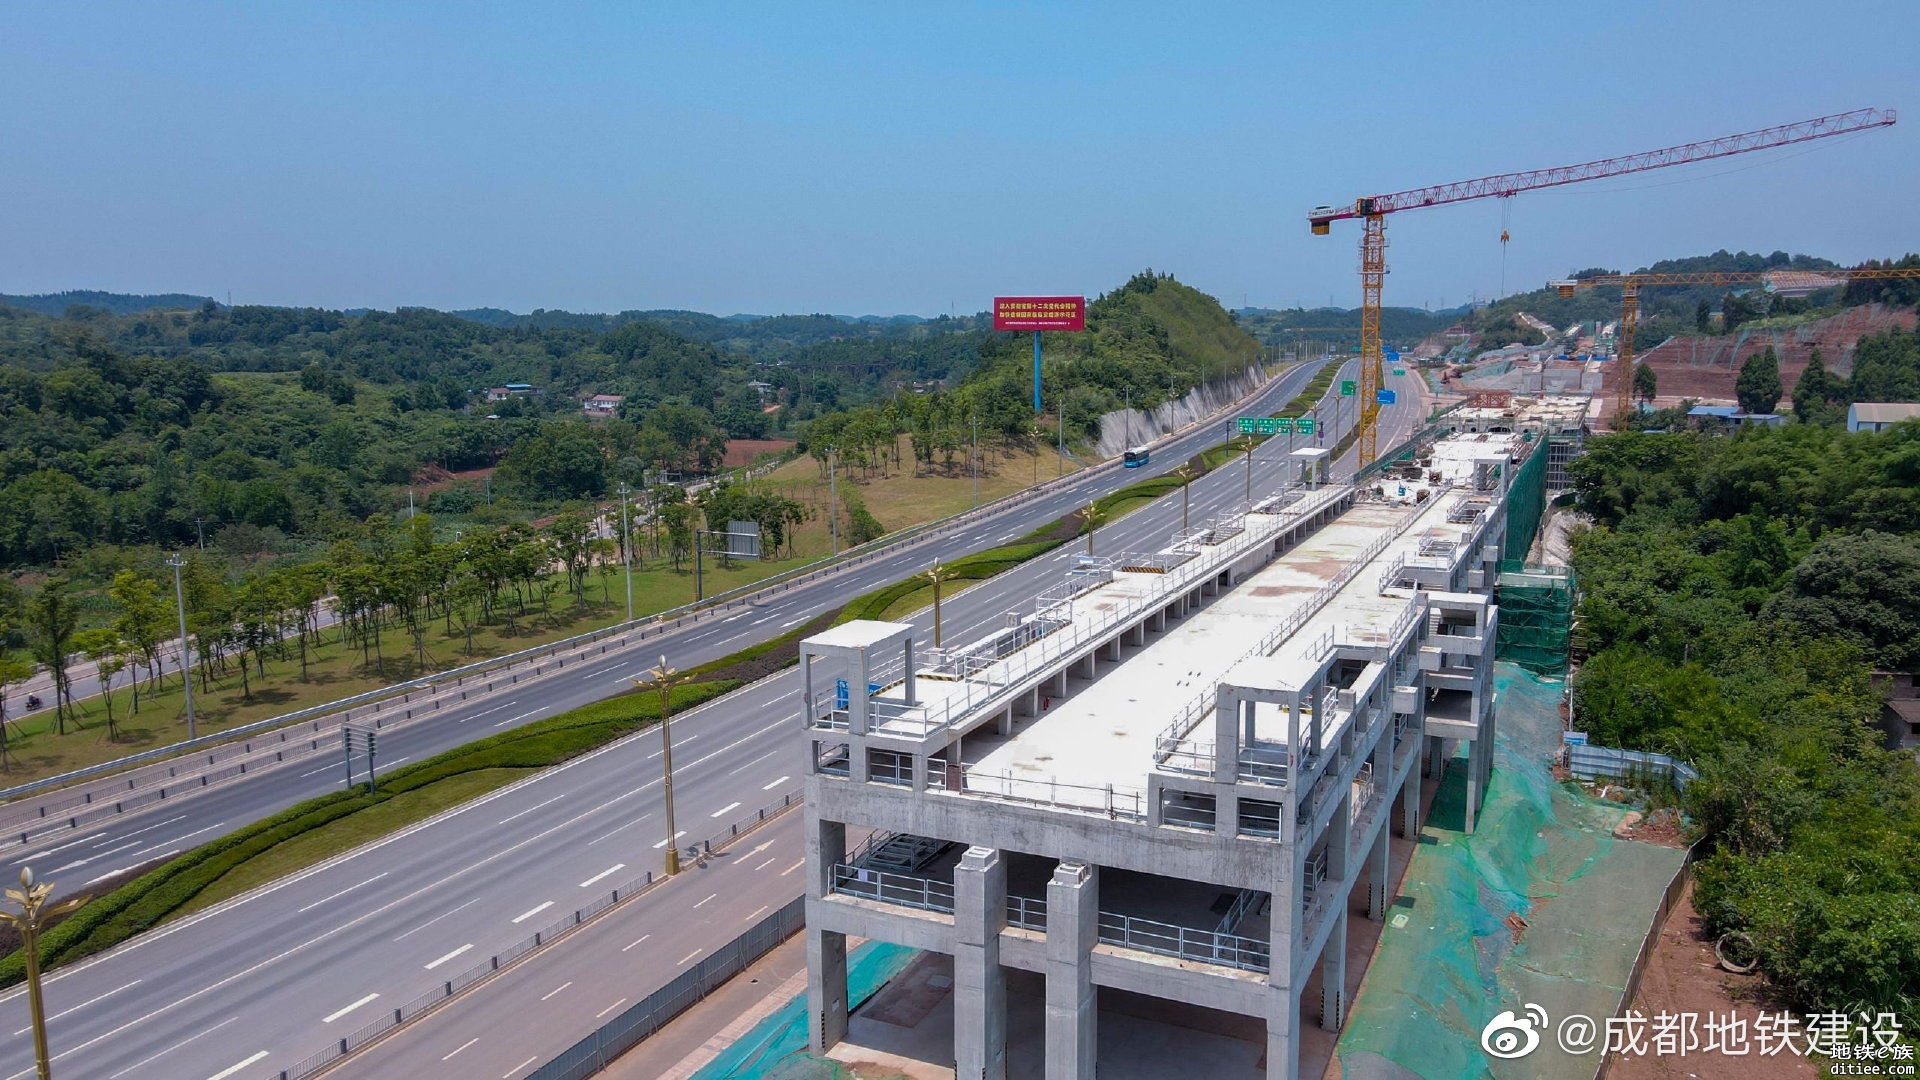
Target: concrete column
(1410, 802)
(1333, 976)
(1060, 684)
(1030, 702)
(979, 982)
(1283, 1018)
(1089, 665)
(1073, 926)
(1227, 711)
(907, 659)
(1003, 723)
(1379, 885)
(1283, 981)
(826, 846)
(1139, 634)
(826, 989)
(1113, 650)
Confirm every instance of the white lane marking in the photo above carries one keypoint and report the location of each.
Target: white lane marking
(676, 836)
(636, 941)
(117, 873)
(793, 622)
(96, 855)
(689, 956)
(148, 829)
(457, 952)
(82, 1005)
(341, 893)
(727, 809)
(556, 990)
(715, 896)
(776, 783)
(768, 863)
(534, 807)
(510, 720)
(168, 1050)
(321, 769)
(338, 1013)
(615, 868)
(237, 1066)
(609, 1008)
(437, 918)
(94, 840)
(520, 1069)
(792, 868)
(525, 915)
(757, 912)
(785, 720)
(461, 1047)
(619, 828)
(751, 764)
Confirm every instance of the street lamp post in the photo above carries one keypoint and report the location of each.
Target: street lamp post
(938, 575)
(833, 503)
(1185, 473)
(1093, 515)
(664, 680)
(34, 913)
(626, 545)
(975, 458)
(186, 665)
(1250, 446)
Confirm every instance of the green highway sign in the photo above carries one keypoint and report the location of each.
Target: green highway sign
(1304, 425)
(1268, 425)
(1399, 371)
(1286, 423)
(1346, 387)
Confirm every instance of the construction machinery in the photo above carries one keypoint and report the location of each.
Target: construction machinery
(1373, 211)
(1631, 284)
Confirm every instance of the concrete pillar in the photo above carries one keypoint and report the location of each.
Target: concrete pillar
(1139, 634)
(906, 658)
(1379, 883)
(979, 982)
(1089, 665)
(1227, 711)
(1410, 802)
(826, 847)
(1113, 650)
(1073, 925)
(1283, 1020)
(1030, 702)
(1003, 723)
(826, 989)
(1283, 981)
(1333, 976)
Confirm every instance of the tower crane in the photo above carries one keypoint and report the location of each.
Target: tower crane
(1631, 284)
(1373, 211)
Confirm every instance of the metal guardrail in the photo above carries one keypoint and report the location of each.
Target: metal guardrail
(455, 984)
(785, 580)
(906, 890)
(1184, 942)
(1027, 912)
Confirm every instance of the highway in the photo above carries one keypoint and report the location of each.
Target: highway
(93, 853)
(274, 975)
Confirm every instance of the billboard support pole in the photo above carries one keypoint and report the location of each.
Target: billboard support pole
(1036, 373)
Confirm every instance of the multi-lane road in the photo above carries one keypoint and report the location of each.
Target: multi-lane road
(254, 985)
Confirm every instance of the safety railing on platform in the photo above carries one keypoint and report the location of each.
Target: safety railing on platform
(1114, 802)
(1167, 939)
(906, 890)
(1027, 912)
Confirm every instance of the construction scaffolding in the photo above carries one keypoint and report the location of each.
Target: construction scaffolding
(1536, 617)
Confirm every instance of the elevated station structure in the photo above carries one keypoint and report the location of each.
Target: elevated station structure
(1235, 716)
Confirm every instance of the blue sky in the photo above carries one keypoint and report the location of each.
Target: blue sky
(912, 157)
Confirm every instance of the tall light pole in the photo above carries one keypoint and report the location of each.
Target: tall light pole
(186, 659)
(626, 545)
(833, 503)
(664, 680)
(1250, 445)
(975, 458)
(34, 913)
(1092, 515)
(1185, 473)
(939, 576)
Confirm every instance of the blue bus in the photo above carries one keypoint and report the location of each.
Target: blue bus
(1136, 457)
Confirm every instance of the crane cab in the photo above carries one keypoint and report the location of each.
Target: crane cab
(1321, 218)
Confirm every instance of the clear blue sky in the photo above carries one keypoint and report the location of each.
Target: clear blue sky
(908, 157)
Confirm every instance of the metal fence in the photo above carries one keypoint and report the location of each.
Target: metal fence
(454, 984)
(1592, 762)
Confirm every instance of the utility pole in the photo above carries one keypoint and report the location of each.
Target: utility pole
(1250, 446)
(186, 659)
(34, 914)
(976, 466)
(409, 502)
(664, 680)
(626, 545)
(833, 503)
(200, 531)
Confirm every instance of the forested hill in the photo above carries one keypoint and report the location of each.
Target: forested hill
(763, 337)
(1669, 310)
(1150, 338)
(112, 303)
(1399, 326)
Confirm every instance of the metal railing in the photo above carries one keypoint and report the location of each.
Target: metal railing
(453, 985)
(906, 890)
(1166, 939)
(1243, 905)
(1120, 803)
(1027, 912)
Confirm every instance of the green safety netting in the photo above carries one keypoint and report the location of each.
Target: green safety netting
(1536, 617)
(1526, 501)
(1455, 953)
(776, 1047)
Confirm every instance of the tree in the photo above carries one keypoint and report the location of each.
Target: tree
(1703, 316)
(1758, 385)
(145, 621)
(572, 537)
(1816, 392)
(104, 647)
(12, 670)
(51, 618)
(1864, 588)
(1646, 384)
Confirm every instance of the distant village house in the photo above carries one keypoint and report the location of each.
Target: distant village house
(602, 404)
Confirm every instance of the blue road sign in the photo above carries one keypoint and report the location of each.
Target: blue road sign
(1384, 397)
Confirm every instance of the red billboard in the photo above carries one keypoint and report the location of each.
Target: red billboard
(1039, 313)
